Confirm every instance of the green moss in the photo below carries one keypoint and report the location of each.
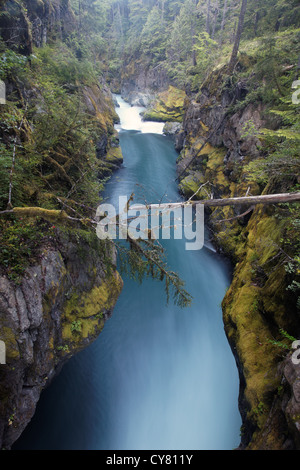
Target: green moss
(215, 168)
(214, 83)
(211, 162)
(250, 335)
(114, 155)
(12, 350)
(250, 310)
(228, 236)
(274, 299)
(168, 107)
(264, 236)
(86, 310)
(190, 185)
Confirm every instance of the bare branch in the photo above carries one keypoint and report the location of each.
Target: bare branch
(236, 217)
(9, 204)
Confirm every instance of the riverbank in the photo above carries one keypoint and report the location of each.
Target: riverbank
(259, 307)
(158, 376)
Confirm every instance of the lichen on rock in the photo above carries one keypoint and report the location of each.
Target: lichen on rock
(168, 106)
(75, 280)
(215, 147)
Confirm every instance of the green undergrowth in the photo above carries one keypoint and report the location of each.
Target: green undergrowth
(55, 114)
(19, 241)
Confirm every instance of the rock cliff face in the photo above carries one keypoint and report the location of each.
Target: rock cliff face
(50, 19)
(215, 147)
(140, 82)
(99, 104)
(60, 303)
(59, 307)
(24, 28)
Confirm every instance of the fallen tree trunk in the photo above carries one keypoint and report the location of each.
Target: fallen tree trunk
(233, 201)
(61, 216)
(254, 200)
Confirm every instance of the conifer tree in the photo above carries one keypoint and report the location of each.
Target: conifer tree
(237, 37)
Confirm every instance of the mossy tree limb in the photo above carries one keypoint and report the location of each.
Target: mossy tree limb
(51, 215)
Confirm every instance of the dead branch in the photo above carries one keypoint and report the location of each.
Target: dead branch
(13, 164)
(236, 217)
(234, 201)
(59, 168)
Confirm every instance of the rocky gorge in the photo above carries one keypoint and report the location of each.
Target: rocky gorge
(59, 307)
(60, 302)
(214, 156)
(214, 151)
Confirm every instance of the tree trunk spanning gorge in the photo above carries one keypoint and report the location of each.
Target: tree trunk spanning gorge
(234, 201)
(61, 217)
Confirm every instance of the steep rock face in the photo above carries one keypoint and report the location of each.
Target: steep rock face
(50, 18)
(59, 307)
(167, 107)
(32, 22)
(99, 103)
(141, 82)
(216, 144)
(210, 128)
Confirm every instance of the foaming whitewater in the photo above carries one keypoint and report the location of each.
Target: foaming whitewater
(158, 377)
(130, 119)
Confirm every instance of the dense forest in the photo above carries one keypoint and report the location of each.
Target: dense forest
(226, 74)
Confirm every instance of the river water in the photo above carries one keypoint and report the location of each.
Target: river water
(158, 377)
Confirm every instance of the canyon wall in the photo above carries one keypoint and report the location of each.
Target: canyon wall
(215, 149)
(57, 305)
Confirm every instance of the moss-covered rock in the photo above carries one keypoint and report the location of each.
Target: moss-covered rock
(59, 306)
(167, 107)
(257, 308)
(84, 313)
(114, 155)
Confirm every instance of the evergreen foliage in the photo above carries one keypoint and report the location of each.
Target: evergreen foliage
(48, 134)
